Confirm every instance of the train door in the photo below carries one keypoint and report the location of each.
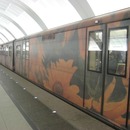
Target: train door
(94, 68)
(2, 55)
(25, 58)
(6, 55)
(18, 55)
(107, 71)
(115, 103)
(11, 56)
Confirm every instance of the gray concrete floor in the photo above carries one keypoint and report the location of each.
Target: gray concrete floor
(24, 106)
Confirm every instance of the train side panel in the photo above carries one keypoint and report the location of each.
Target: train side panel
(36, 67)
(57, 63)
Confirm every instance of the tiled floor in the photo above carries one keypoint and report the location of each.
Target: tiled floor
(24, 106)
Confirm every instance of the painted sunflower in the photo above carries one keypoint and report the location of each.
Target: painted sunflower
(58, 80)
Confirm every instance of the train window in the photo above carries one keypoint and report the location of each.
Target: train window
(27, 46)
(18, 51)
(27, 50)
(6, 50)
(95, 51)
(24, 50)
(10, 50)
(117, 51)
(2, 50)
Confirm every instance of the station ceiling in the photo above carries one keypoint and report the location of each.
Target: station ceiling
(19, 18)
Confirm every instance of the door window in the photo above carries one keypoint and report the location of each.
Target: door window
(10, 51)
(95, 51)
(18, 51)
(117, 51)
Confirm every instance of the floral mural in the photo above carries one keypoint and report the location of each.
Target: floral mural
(58, 80)
(59, 68)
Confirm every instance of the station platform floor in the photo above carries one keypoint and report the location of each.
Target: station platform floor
(24, 106)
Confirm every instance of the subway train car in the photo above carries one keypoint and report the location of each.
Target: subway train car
(86, 64)
(6, 55)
